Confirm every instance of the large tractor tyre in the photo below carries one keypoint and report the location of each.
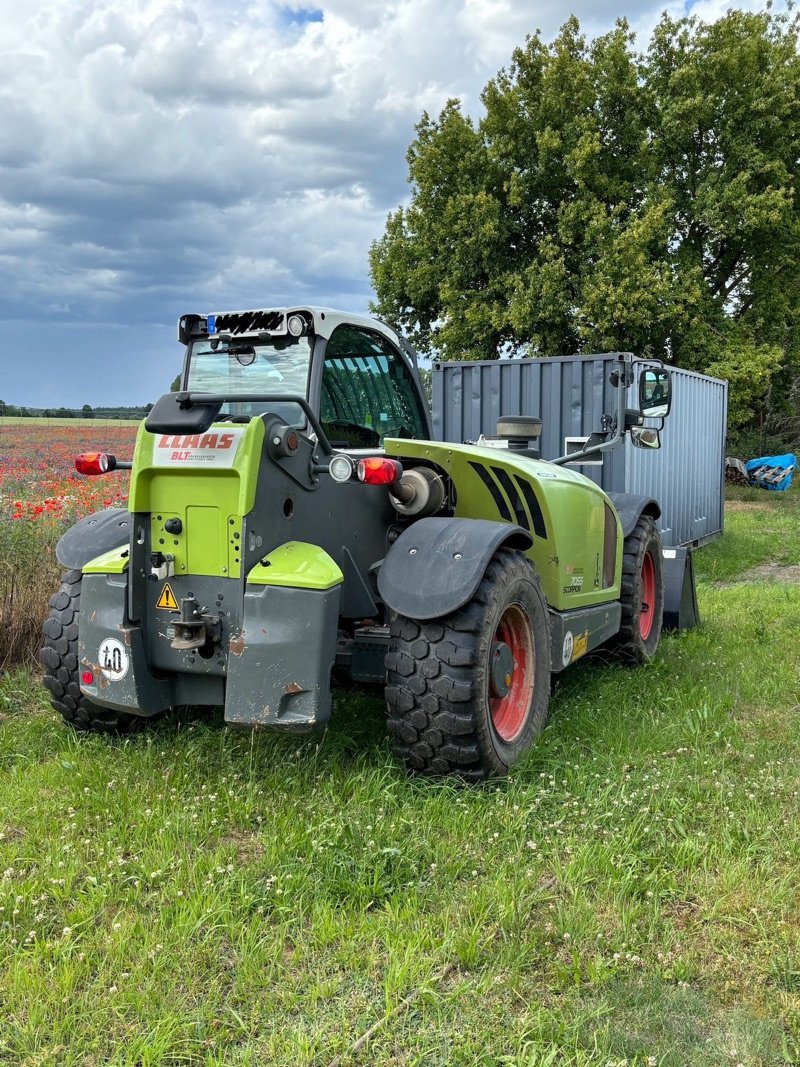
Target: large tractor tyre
(468, 693)
(59, 656)
(642, 594)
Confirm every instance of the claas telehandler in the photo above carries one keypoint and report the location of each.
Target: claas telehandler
(290, 516)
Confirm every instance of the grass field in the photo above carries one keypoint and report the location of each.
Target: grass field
(628, 896)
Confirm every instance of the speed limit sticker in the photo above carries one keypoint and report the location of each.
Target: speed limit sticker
(113, 659)
(567, 647)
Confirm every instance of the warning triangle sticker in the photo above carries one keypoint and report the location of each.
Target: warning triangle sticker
(166, 599)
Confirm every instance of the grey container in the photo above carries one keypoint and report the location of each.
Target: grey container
(570, 394)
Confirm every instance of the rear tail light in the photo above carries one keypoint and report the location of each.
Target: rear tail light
(87, 678)
(94, 463)
(377, 470)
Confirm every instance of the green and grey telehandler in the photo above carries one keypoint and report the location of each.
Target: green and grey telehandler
(289, 514)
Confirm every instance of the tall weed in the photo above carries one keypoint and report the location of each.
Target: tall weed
(28, 576)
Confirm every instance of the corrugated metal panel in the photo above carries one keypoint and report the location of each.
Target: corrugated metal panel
(570, 394)
(687, 474)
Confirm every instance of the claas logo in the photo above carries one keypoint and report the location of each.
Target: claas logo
(182, 445)
(206, 440)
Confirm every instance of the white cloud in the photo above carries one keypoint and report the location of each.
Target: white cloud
(164, 155)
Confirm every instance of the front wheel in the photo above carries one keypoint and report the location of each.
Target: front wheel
(468, 693)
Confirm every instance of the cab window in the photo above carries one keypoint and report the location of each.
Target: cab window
(236, 367)
(368, 392)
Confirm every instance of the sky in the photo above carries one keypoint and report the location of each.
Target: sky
(159, 157)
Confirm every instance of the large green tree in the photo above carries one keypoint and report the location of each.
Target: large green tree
(609, 199)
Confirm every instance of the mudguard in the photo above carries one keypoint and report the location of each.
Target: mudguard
(436, 565)
(92, 536)
(630, 506)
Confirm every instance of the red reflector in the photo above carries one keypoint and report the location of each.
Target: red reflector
(377, 470)
(87, 678)
(93, 463)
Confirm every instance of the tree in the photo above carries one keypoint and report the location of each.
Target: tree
(613, 200)
(86, 409)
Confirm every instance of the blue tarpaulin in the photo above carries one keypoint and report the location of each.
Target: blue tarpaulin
(772, 472)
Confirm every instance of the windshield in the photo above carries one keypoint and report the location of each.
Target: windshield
(237, 367)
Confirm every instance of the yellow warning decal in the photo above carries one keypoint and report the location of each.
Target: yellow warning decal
(581, 646)
(166, 599)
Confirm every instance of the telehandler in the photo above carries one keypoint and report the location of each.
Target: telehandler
(289, 514)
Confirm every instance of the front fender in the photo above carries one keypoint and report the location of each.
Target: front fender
(92, 536)
(630, 506)
(436, 565)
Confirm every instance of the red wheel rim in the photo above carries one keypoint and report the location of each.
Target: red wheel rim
(648, 612)
(510, 712)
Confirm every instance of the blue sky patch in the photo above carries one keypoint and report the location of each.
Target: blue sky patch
(295, 17)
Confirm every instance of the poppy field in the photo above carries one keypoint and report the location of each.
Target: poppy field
(41, 495)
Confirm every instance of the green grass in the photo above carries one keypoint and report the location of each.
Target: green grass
(629, 895)
(760, 528)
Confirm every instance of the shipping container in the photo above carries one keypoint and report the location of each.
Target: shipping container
(570, 394)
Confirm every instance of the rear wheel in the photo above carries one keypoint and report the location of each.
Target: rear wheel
(642, 594)
(468, 693)
(59, 656)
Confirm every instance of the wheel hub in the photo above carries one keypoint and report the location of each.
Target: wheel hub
(511, 672)
(502, 669)
(647, 613)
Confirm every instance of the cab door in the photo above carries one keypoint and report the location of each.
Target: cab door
(368, 391)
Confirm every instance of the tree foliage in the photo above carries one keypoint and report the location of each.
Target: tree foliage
(613, 200)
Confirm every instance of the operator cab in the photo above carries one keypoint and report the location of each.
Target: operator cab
(355, 372)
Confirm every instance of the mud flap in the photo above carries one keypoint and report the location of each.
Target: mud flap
(279, 667)
(113, 650)
(680, 595)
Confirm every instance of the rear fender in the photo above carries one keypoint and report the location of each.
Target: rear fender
(436, 565)
(92, 536)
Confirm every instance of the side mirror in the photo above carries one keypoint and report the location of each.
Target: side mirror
(645, 437)
(655, 393)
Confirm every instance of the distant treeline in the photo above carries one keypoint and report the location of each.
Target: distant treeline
(86, 412)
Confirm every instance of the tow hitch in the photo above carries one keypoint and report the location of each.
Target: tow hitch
(195, 628)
